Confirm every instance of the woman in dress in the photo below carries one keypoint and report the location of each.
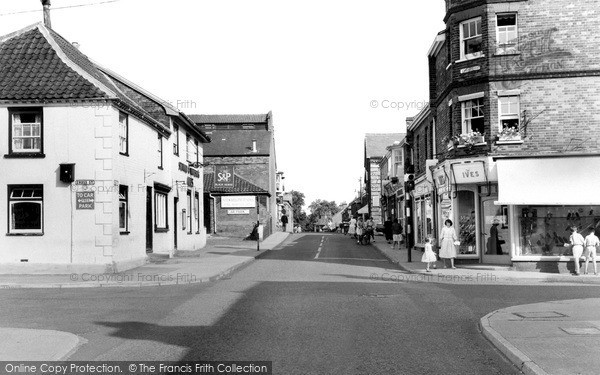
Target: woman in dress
(447, 247)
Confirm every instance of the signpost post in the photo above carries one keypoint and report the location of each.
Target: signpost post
(257, 223)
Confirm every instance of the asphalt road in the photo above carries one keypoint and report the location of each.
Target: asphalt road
(313, 307)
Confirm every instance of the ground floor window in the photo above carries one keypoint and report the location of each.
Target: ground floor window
(160, 211)
(197, 211)
(123, 207)
(424, 219)
(543, 230)
(25, 209)
(189, 211)
(466, 223)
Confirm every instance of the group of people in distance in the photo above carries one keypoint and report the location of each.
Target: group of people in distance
(584, 246)
(359, 228)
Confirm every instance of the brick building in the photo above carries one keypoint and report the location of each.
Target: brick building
(514, 93)
(240, 168)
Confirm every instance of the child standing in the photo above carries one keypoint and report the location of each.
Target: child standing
(591, 244)
(428, 256)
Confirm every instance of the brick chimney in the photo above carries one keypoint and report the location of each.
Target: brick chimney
(46, 5)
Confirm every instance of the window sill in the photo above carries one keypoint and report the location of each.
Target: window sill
(469, 59)
(124, 233)
(497, 54)
(475, 144)
(161, 230)
(25, 155)
(515, 142)
(24, 234)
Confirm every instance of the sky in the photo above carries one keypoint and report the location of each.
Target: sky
(329, 70)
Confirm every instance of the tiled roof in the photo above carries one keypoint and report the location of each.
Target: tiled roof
(240, 186)
(229, 119)
(376, 143)
(31, 70)
(37, 65)
(238, 142)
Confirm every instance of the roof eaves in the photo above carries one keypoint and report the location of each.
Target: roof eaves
(71, 64)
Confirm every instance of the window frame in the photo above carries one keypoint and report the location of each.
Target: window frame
(176, 140)
(126, 138)
(12, 153)
(9, 201)
(464, 119)
(161, 225)
(509, 116)
(160, 151)
(189, 212)
(197, 211)
(463, 52)
(502, 49)
(124, 199)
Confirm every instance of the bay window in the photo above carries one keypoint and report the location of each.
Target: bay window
(471, 40)
(472, 116)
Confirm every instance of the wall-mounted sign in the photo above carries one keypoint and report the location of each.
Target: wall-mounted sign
(238, 212)
(238, 201)
(85, 182)
(468, 173)
(85, 200)
(224, 176)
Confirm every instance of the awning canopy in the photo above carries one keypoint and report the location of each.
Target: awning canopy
(364, 209)
(549, 181)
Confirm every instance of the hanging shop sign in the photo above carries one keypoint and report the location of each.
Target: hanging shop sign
(238, 201)
(224, 176)
(441, 181)
(85, 200)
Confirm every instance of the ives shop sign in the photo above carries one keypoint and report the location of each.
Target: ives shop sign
(224, 176)
(469, 173)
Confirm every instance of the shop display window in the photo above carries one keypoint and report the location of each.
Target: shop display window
(544, 230)
(466, 223)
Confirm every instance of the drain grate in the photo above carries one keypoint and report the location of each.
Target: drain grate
(582, 331)
(540, 315)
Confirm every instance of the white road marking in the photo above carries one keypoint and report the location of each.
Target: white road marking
(320, 248)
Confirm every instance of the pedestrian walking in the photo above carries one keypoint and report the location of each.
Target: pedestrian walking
(387, 230)
(591, 244)
(352, 227)
(429, 256)
(359, 229)
(370, 228)
(447, 243)
(396, 234)
(284, 221)
(577, 243)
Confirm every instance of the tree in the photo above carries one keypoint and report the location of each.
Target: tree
(297, 211)
(323, 208)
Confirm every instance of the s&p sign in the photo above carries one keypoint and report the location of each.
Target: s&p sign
(224, 176)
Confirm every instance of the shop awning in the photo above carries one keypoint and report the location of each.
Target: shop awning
(364, 209)
(549, 181)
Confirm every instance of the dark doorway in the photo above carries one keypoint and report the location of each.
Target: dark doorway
(207, 209)
(175, 228)
(148, 219)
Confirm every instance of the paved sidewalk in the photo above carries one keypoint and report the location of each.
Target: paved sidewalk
(221, 257)
(19, 344)
(480, 274)
(560, 337)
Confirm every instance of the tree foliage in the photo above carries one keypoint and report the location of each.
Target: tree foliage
(297, 204)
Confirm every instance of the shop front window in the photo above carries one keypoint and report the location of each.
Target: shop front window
(419, 221)
(544, 230)
(466, 223)
(428, 208)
